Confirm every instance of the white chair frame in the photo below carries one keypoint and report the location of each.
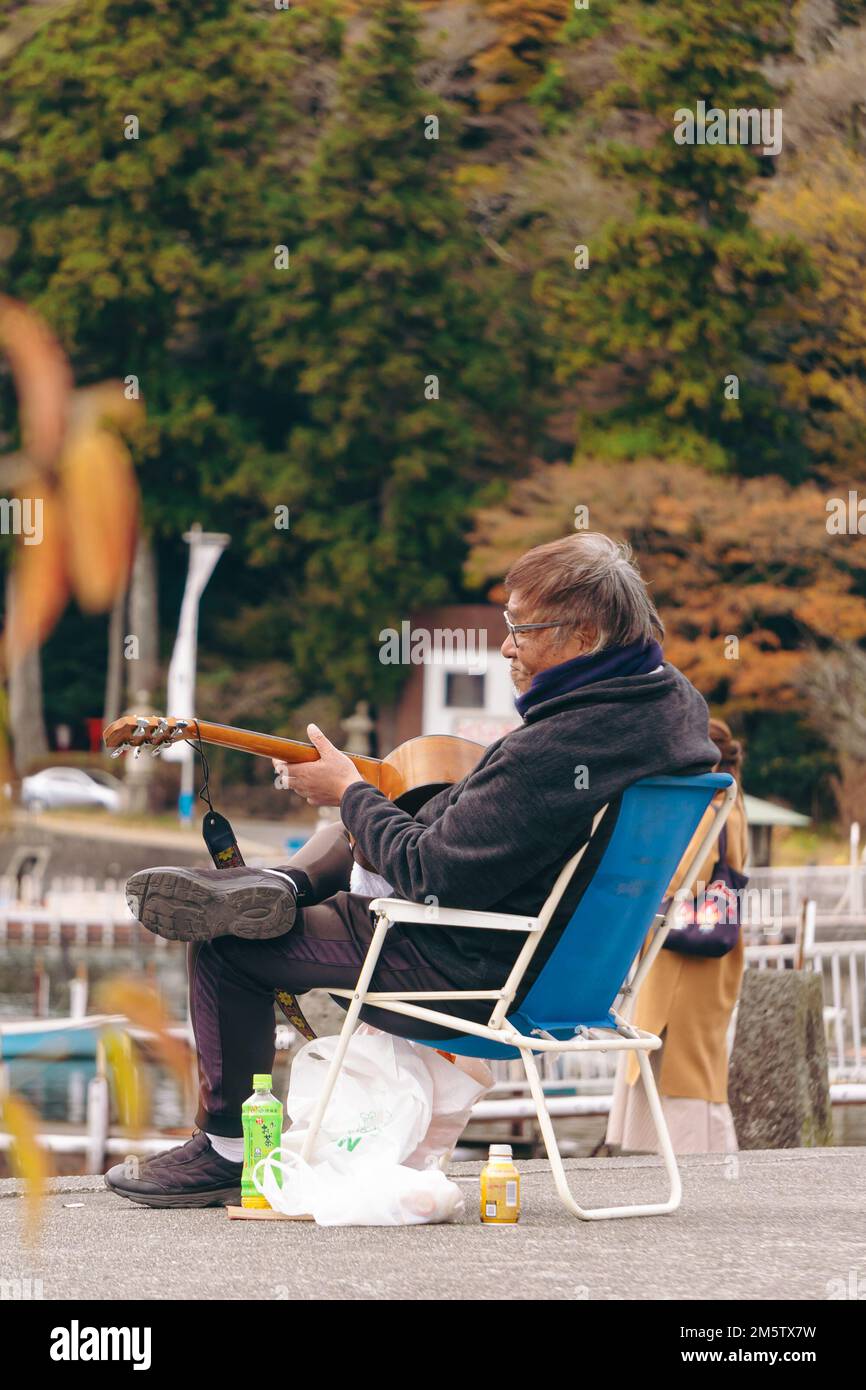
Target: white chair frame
(626, 1037)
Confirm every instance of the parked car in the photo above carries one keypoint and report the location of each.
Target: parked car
(72, 786)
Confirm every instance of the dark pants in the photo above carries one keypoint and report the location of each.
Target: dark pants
(233, 982)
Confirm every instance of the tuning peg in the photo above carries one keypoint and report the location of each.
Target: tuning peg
(142, 730)
(120, 749)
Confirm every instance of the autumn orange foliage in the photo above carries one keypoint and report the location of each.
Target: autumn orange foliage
(745, 573)
(82, 474)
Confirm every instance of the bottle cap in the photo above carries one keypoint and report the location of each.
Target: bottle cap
(500, 1150)
(262, 1081)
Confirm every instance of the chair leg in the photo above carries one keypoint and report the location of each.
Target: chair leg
(346, 1032)
(559, 1178)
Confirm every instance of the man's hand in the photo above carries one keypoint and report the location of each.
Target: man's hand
(321, 783)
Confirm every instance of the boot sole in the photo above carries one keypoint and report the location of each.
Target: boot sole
(221, 1197)
(178, 906)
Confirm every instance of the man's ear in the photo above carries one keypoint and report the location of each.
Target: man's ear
(584, 638)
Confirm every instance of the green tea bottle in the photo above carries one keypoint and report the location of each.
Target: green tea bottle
(262, 1117)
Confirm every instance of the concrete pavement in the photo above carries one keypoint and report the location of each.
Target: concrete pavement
(785, 1224)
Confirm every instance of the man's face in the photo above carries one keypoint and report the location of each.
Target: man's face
(533, 652)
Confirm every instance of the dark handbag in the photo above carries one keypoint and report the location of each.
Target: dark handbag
(709, 925)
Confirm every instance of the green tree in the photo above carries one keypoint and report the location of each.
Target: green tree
(824, 372)
(682, 293)
(385, 335)
(147, 169)
(149, 164)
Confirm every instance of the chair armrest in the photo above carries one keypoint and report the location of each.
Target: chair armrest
(398, 910)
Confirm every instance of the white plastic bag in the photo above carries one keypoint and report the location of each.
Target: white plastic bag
(382, 1102)
(373, 1194)
(395, 1114)
(457, 1086)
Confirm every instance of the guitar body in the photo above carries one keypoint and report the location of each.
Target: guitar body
(425, 765)
(410, 775)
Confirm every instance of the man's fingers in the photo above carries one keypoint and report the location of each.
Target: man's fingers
(281, 774)
(318, 739)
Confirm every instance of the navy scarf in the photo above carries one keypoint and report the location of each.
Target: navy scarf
(636, 659)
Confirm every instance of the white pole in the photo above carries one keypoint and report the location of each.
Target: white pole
(97, 1113)
(205, 548)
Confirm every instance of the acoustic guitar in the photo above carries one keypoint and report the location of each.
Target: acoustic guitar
(409, 776)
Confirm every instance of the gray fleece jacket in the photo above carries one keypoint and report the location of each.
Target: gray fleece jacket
(497, 839)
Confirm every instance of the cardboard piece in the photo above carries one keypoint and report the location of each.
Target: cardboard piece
(262, 1214)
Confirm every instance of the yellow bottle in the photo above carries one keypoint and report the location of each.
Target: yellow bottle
(500, 1188)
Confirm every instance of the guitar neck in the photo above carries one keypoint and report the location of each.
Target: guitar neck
(287, 750)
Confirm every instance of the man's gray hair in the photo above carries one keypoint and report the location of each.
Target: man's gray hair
(589, 583)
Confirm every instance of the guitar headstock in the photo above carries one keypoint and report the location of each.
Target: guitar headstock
(138, 731)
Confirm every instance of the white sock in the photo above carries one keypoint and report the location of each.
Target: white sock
(279, 873)
(232, 1149)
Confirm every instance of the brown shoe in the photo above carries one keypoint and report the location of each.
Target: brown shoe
(199, 904)
(191, 1175)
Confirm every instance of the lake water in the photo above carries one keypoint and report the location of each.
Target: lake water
(58, 1089)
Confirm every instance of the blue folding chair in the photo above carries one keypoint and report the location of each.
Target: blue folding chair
(569, 1007)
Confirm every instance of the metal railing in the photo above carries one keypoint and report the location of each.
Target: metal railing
(842, 967)
(837, 890)
(71, 909)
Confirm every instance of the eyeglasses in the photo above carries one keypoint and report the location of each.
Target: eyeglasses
(514, 628)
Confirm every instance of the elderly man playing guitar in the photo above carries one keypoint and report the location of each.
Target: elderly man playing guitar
(600, 708)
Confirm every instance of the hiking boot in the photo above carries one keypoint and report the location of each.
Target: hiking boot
(191, 1175)
(198, 904)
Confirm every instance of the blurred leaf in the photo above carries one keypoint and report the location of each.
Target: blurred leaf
(123, 1067)
(142, 1005)
(105, 403)
(30, 1159)
(40, 587)
(42, 379)
(100, 516)
(15, 472)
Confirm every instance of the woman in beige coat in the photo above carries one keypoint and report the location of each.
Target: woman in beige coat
(688, 1002)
